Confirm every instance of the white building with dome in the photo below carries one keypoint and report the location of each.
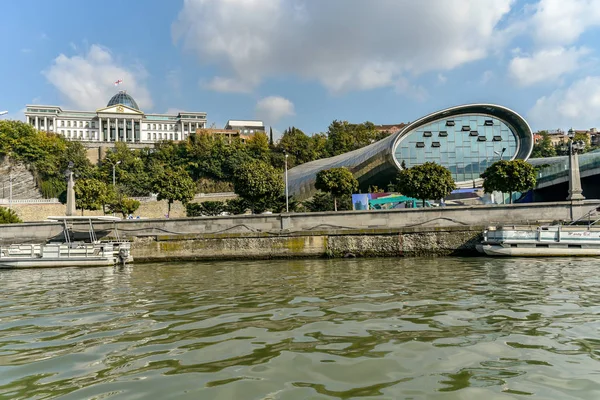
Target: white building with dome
(120, 121)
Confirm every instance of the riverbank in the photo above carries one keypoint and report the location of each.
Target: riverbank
(399, 242)
(384, 233)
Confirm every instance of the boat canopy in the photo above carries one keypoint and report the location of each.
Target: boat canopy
(62, 218)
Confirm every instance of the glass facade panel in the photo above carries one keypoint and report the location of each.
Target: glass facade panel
(466, 156)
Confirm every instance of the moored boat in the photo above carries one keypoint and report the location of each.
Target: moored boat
(69, 253)
(541, 241)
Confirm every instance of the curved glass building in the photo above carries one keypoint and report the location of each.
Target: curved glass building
(465, 139)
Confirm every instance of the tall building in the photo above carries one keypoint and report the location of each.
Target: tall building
(465, 139)
(120, 121)
(245, 126)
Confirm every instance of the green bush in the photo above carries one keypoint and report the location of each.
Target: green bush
(9, 216)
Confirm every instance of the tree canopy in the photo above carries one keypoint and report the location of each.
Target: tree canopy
(259, 184)
(91, 194)
(8, 216)
(174, 184)
(429, 181)
(337, 182)
(509, 177)
(544, 147)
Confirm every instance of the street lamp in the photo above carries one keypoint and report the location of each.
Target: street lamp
(113, 167)
(287, 205)
(500, 154)
(575, 190)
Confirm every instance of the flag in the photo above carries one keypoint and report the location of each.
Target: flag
(118, 82)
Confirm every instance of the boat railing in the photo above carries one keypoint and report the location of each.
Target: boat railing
(588, 216)
(56, 250)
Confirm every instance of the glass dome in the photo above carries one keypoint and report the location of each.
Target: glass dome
(124, 99)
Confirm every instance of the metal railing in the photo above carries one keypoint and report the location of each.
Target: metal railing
(29, 201)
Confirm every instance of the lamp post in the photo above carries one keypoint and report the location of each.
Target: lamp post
(71, 205)
(113, 167)
(287, 205)
(114, 164)
(575, 190)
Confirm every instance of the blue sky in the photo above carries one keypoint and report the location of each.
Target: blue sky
(305, 62)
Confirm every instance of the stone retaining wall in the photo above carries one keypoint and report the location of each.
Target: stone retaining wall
(381, 243)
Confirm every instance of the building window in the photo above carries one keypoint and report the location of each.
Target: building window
(154, 126)
(481, 139)
(87, 124)
(62, 123)
(435, 144)
(489, 122)
(497, 138)
(474, 133)
(466, 128)
(449, 123)
(154, 135)
(62, 131)
(149, 136)
(148, 126)
(427, 134)
(176, 136)
(443, 134)
(68, 133)
(420, 144)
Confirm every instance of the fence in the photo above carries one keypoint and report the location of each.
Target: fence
(197, 196)
(29, 201)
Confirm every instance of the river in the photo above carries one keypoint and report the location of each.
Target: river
(447, 328)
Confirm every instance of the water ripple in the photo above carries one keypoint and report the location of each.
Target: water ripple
(386, 328)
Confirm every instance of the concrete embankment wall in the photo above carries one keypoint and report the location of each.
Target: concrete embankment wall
(408, 242)
(393, 232)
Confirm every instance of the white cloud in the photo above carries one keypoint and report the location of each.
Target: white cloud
(86, 81)
(273, 108)
(560, 22)
(546, 65)
(228, 85)
(487, 76)
(578, 106)
(442, 78)
(343, 44)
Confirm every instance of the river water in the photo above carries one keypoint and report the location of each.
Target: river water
(448, 328)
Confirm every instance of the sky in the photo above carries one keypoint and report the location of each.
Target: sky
(305, 63)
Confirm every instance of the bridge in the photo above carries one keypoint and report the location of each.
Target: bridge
(553, 176)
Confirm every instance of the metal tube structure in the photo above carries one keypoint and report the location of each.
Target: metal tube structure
(10, 190)
(287, 205)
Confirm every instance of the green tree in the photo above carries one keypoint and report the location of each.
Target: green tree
(236, 206)
(297, 145)
(90, 194)
(425, 181)
(211, 208)
(259, 183)
(544, 147)
(324, 202)
(508, 177)
(258, 146)
(343, 136)
(337, 182)
(174, 184)
(8, 216)
(123, 205)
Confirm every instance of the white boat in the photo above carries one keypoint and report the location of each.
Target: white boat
(541, 241)
(69, 253)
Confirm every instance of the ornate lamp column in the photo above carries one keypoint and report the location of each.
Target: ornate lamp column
(71, 209)
(575, 190)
